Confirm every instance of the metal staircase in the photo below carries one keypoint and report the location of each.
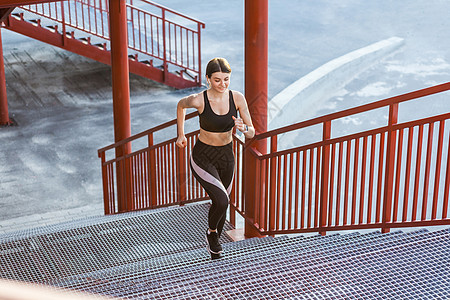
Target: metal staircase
(159, 47)
(160, 254)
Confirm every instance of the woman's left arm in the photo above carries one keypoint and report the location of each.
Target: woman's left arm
(244, 123)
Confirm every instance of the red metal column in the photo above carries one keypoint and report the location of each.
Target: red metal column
(4, 115)
(256, 65)
(121, 90)
(390, 166)
(324, 192)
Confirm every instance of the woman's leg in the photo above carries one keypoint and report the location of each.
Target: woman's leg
(226, 173)
(212, 167)
(210, 181)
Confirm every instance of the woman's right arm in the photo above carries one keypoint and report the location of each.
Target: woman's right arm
(183, 104)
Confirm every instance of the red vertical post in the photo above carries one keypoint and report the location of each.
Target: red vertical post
(237, 178)
(165, 65)
(199, 46)
(152, 173)
(107, 204)
(121, 90)
(273, 183)
(325, 176)
(446, 186)
(437, 175)
(181, 175)
(4, 114)
(390, 166)
(256, 74)
(63, 21)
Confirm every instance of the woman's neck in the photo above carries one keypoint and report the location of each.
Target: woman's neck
(217, 96)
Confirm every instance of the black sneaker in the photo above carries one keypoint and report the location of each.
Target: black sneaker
(213, 242)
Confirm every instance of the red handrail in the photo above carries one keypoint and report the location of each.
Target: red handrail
(360, 180)
(162, 7)
(396, 175)
(159, 173)
(360, 109)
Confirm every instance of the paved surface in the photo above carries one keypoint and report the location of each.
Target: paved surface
(44, 76)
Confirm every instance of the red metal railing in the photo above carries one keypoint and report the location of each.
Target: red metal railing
(391, 176)
(157, 174)
(180, 48)
(396, 175)
(155, 35)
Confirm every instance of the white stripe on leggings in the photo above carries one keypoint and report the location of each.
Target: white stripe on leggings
(231, 185)
(208, 177)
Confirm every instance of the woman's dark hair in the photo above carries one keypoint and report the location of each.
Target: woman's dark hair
(217, 64)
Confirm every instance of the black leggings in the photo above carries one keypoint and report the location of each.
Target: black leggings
(213, 167)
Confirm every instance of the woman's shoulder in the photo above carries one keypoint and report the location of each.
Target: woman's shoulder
(193, 100)
(237, 94)
(238, 97)
(198, 95)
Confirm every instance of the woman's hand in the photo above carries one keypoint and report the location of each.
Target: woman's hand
(181, 141)
(239, 124)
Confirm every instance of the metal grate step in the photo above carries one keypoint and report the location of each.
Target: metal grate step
(148, 255)
(89, 221)
(268, 257)
(159, 266)
(296, 278)
(44, 255)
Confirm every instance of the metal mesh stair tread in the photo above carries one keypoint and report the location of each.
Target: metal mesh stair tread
(197, 260)
(194, 258)
(204, 274)
(85, 222)
(49, 254)
(142, 255)
(171, 263)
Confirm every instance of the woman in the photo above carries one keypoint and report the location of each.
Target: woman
(212, 159)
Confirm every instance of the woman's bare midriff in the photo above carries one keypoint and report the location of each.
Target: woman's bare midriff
(216, 138)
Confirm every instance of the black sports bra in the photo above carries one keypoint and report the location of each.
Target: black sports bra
(210, 121)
